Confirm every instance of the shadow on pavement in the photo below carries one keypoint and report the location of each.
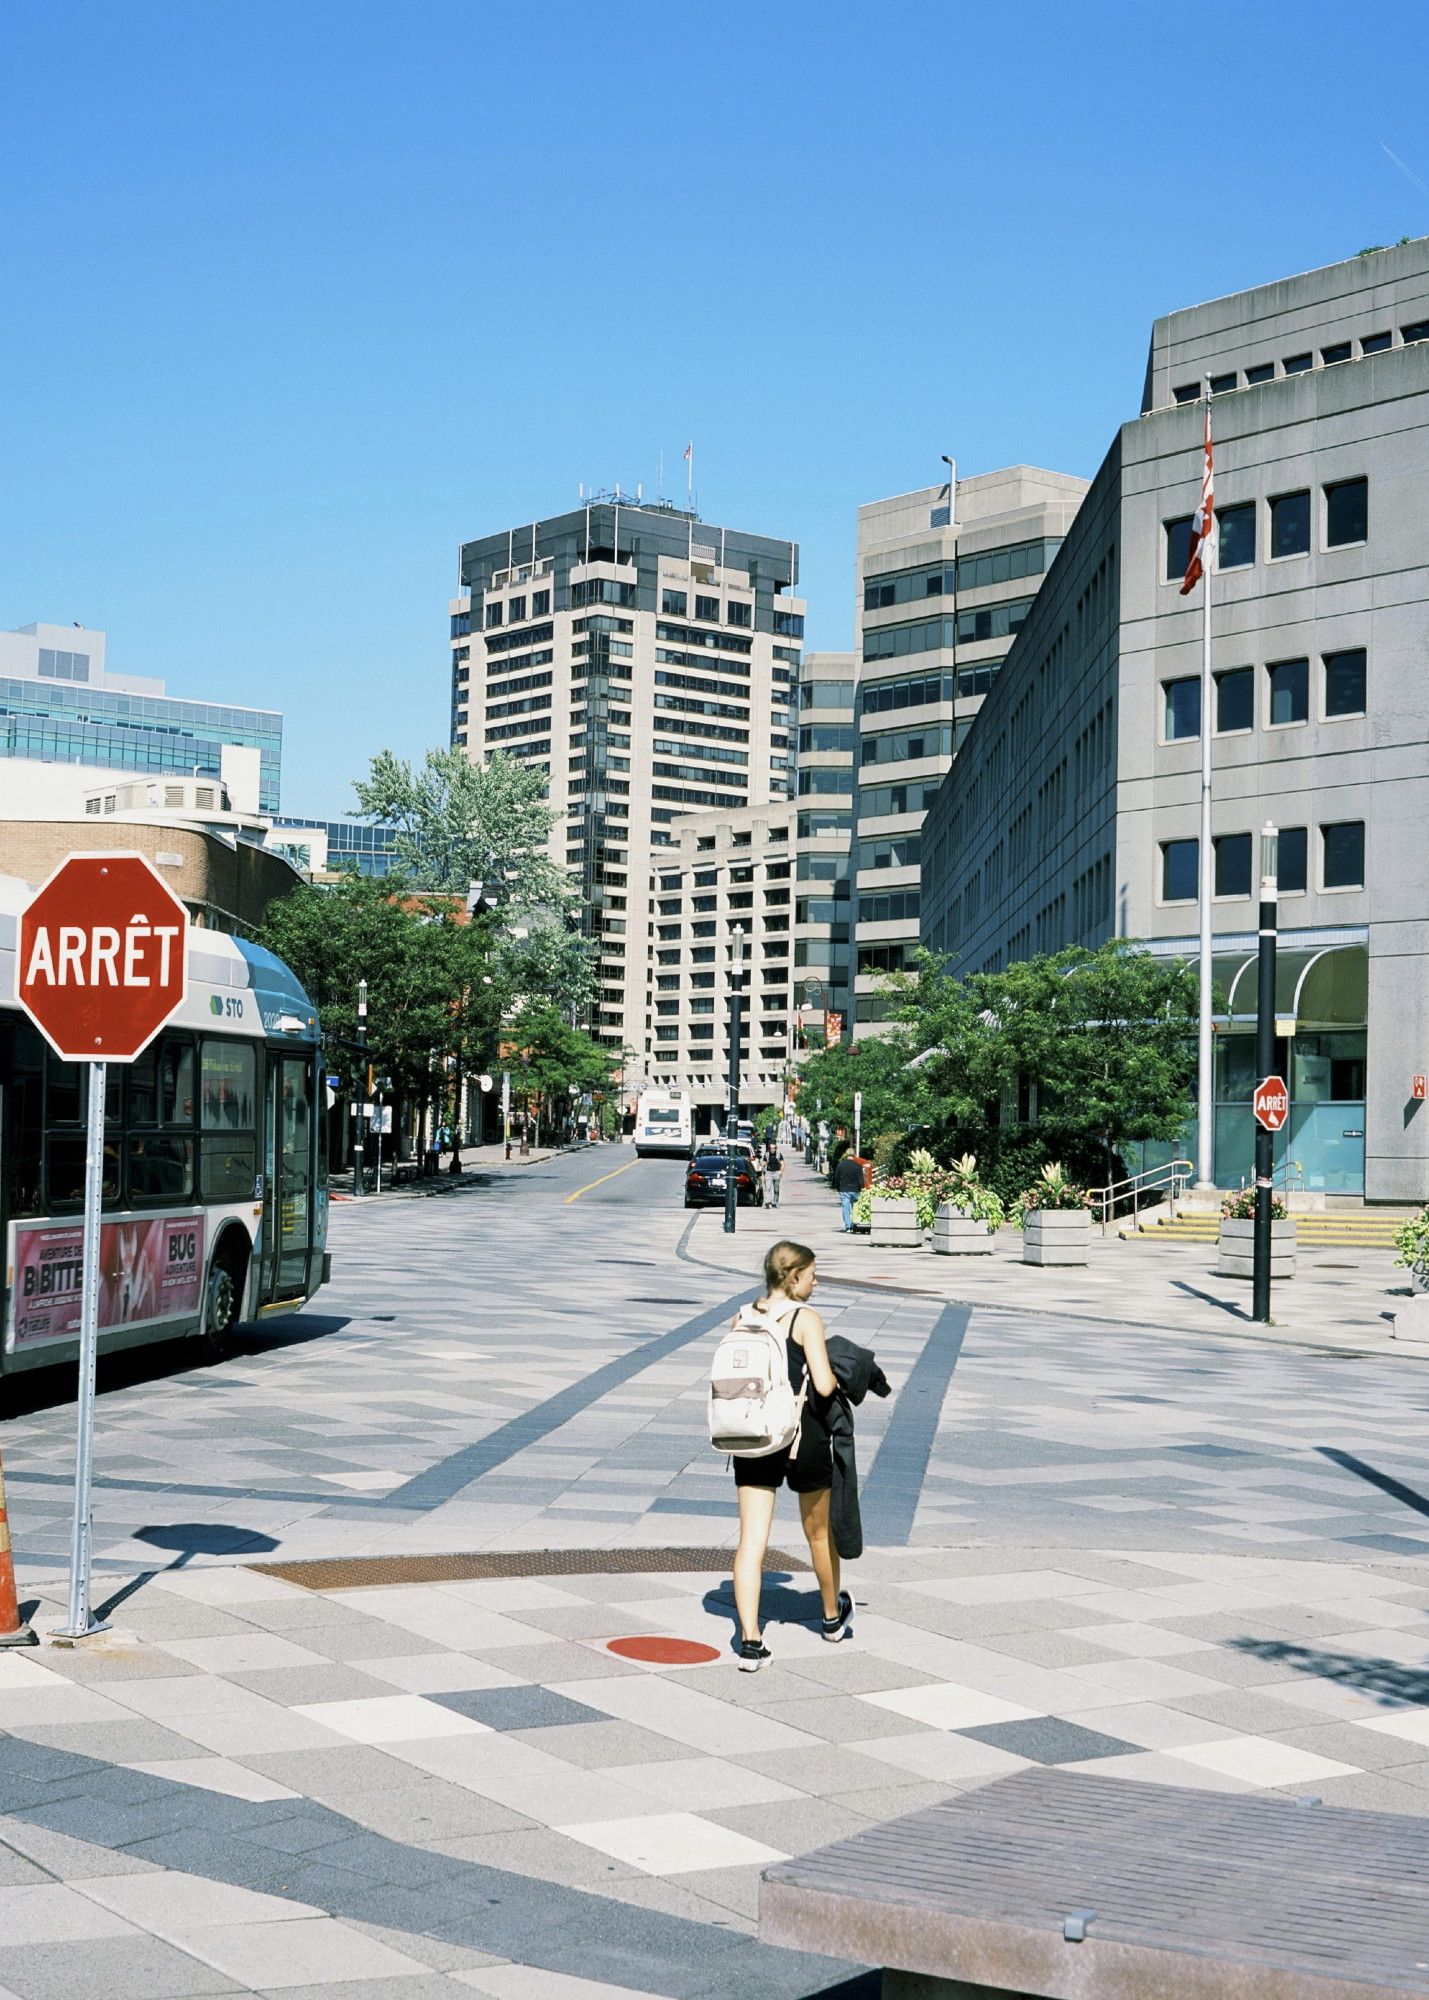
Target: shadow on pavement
(1395, 1488)
(190, 1538)
(1389, 1678)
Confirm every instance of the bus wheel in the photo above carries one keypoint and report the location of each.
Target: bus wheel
(221, 1301)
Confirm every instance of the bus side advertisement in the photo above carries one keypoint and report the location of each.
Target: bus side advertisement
(149, 1269)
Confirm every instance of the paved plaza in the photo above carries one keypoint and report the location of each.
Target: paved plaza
(1116, 1544)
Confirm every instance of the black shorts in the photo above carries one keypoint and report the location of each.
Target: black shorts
(810, 1469)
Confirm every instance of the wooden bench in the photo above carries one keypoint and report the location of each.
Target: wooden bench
(1065, 1886)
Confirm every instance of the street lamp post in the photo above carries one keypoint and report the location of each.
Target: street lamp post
(736, 968)
(359, 1150)
(1265, 1065)
(525, 1106)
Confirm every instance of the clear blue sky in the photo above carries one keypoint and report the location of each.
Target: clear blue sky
(300, 294)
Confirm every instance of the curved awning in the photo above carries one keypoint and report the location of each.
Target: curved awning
(1321, 978)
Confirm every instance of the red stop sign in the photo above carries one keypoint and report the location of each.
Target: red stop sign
(103, 958)
(1271, 1102)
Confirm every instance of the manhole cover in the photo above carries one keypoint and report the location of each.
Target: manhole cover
(368, 1572)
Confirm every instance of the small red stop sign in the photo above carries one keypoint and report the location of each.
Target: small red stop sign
(1271, 1103)
(103, 959)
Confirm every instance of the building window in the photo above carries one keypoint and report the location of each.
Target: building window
(516, 611)
(541, 604)
(1290, 525)
(1237, 533)
(1178, 547)
(1189, 392)
(1342, 854)
(1179, 870)
(1235, 700)
(1375, 343)
(1293, 852)
(1346, 513)
(1289, 692)
(1298, 364)
(1416, 330)
(674, 603)
(737, 613)
(1263, 371)
(1345, 682)
(1183, 708)
(1220, 384)
(1232, 853)
(493, 615)
(1337, 351)
(707, 608)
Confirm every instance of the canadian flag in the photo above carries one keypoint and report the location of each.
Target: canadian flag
(689, 450)
(1202, 524)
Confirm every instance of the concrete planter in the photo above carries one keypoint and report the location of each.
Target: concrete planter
(956, 1234)
(1056, 1236)
(1235, 1251)
(893, 1225)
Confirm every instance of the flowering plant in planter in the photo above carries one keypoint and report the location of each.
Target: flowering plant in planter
(1051, 1189)
(1411, 1240)
(923, 1181)
(1241, 1207)
(966, 1192)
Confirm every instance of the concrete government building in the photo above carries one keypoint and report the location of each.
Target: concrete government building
(642, 660)
(1071, 815)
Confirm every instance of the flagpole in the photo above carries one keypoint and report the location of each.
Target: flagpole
(1205, 1077)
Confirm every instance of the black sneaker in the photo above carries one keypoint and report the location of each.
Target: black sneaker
(752, 1655)
(836, 1628)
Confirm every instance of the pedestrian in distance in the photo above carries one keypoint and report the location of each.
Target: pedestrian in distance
(848, 1185)
(806, 1466)
(773, 1171)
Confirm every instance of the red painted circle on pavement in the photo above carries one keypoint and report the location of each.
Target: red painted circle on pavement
(658, 1651)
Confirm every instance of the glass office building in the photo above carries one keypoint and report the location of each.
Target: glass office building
(59, 705)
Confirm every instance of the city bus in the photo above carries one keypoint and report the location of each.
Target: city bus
(664, 1123)
(215, 1176)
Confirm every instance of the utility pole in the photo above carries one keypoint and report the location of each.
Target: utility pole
(736, 968)
(359, 1149)
(1265, 1067)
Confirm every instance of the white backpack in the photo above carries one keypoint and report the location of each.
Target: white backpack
(753, 1411)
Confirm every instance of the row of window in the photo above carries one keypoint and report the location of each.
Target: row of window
(1341, 862)
(879, 801)
(1344, 522)
(530, 704)
(880, 697)
(1343, 685)
(515, 610)
(497, 690)
(891, 850)
(1331, 355)
(507, 642)
(602, 590)
(57, 665)
(892, 906)
(897, 746)
(737, 611)
(907, 586)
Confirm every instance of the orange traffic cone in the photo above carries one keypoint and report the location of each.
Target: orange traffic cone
(12, 1631)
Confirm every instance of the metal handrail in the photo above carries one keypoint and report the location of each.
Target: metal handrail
(1175, 1174)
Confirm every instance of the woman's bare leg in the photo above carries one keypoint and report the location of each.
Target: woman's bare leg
(756, 1517)
(814, 1512)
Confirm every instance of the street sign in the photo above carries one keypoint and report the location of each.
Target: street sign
(1271, 1103)
(102, 965)
(102, 960)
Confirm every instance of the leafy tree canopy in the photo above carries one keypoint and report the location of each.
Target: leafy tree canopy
(459, 822)
(549, 1055)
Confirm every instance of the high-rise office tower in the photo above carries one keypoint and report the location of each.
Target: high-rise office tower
(643, 660)
(823, 836)
(946, 576)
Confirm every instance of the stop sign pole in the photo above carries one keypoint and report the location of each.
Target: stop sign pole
(102, 965)
(1265, 1065)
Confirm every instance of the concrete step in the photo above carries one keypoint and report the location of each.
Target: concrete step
(1324, 1230)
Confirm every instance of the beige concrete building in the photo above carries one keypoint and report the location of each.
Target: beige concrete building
(643, 661)
(823, 843)
(946, 576)
(722, 873)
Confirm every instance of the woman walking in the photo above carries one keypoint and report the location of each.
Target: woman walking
(806, 1467)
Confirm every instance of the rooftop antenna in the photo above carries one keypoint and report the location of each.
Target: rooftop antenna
(581, 489)
(660, 478)
(639, 492)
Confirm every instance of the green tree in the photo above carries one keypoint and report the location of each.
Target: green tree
(547, 1056)
(458, 822)
(895, 1097)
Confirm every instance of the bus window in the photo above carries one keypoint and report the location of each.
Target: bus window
(22, 1119)
(161, 1167)
(66, 1092)
(161, 1085)
(228, 1166)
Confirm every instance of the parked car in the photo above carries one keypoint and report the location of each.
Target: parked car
(705, 1179)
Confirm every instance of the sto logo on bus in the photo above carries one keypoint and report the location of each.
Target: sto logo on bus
(103, 960)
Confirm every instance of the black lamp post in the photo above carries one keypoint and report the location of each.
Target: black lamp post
(359, 1150)
(736, 969)
(1265, 1066)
